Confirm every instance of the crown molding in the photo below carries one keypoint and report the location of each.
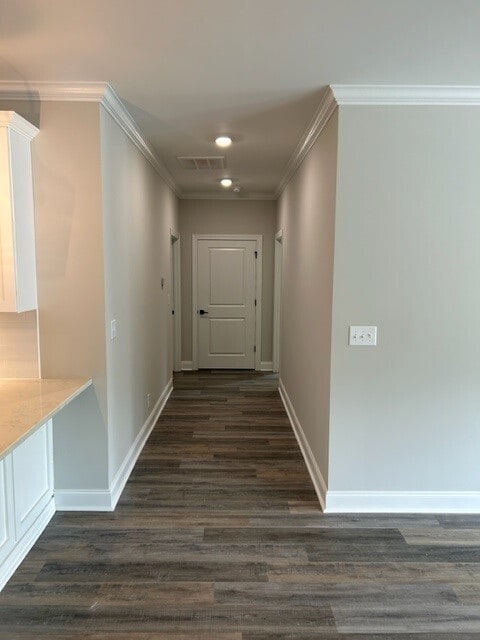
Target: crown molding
(115, 107)
(54, 91)
(201, 195)
(314, 129)
(14, 121)
(433, 95)
(101, 92)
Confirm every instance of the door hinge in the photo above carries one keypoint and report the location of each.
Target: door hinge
(256, 255)
(254, 349)
(255, 302)
(173, 312)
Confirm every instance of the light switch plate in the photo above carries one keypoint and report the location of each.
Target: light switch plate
(113, 329)
(362, 336)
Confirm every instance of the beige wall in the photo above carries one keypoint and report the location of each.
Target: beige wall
(229, 217)
(139, 211)
(306, 213)
(19, 345)
(405, 415)
(71, 296)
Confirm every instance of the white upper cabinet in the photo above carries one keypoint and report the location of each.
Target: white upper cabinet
(18, 280)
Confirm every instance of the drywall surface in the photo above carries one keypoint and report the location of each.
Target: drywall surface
(139, 211)
(405, 414)
(306, 213)
(229, 217)
(69, 250)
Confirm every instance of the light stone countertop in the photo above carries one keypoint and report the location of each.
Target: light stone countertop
(27, 404)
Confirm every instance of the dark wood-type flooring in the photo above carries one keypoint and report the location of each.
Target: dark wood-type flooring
(218, 536)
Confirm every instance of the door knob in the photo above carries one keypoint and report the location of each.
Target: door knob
(202, 312)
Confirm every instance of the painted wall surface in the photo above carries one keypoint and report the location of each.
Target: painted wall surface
(139, 211)
(405, 415)
(306, 213)
(229, 217)
(19, 345)
(69, 248)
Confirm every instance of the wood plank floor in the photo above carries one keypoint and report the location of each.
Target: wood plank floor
(218, 536)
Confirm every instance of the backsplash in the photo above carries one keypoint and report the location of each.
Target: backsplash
(19, 345)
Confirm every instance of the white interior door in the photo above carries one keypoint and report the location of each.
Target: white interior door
(226, 280)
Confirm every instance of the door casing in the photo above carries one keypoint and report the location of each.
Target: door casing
(258, 290)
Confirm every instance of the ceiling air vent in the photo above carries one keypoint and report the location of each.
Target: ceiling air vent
(198, 163)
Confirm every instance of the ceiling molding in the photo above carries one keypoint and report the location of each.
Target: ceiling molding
(433, 95)
(314, 129)
(115, 107)
(101, 92)
(226, 196)
(53, 91)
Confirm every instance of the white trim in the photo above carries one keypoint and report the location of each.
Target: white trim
(13, 121)
(266, 365)
(53, 91)
(87, 500)
(187, 365)
(277, 298)
(319, 483)
(258, 289)
(436, 95)
(101, 92)
(98, 500)
(403, 502)
(201, 195)
(314, 129)
(175, 260)
(23, 546)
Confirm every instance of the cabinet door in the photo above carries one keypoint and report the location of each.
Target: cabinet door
(32, 478)
(7, 532)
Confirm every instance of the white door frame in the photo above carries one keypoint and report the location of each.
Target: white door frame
(258, 290)
(176, 299)
(277, 297)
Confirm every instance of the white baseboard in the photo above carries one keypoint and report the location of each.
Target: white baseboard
(187, 365)
(403, 502)
(87, 500)
(312, 466)
(266, 366)
(98, 500)
(126, 468)
(23, 546)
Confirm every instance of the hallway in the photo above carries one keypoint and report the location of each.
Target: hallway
(218, 536)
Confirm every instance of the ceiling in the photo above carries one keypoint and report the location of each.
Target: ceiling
(188, 70)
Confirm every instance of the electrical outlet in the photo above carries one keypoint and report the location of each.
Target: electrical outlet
(362, 336)
(113, 329)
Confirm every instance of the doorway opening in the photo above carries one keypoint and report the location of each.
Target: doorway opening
(174, 301)
(277, 299)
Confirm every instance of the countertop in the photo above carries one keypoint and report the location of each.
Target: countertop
(27, 404)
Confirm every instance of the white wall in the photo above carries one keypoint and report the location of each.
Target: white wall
(139, 211)
(306, 213)
(229, 217)
(405, 415)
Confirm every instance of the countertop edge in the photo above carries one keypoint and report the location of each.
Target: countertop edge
(28, 432)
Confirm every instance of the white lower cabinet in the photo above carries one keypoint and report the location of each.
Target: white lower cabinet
(26, 498)
(7, 528)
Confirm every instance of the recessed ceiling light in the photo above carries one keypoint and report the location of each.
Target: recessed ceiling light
(226, 182)
(236, 189)
(223, 141)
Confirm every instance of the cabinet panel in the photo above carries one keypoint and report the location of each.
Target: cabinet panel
(18, 286)
(32, 478)
(7, 539)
